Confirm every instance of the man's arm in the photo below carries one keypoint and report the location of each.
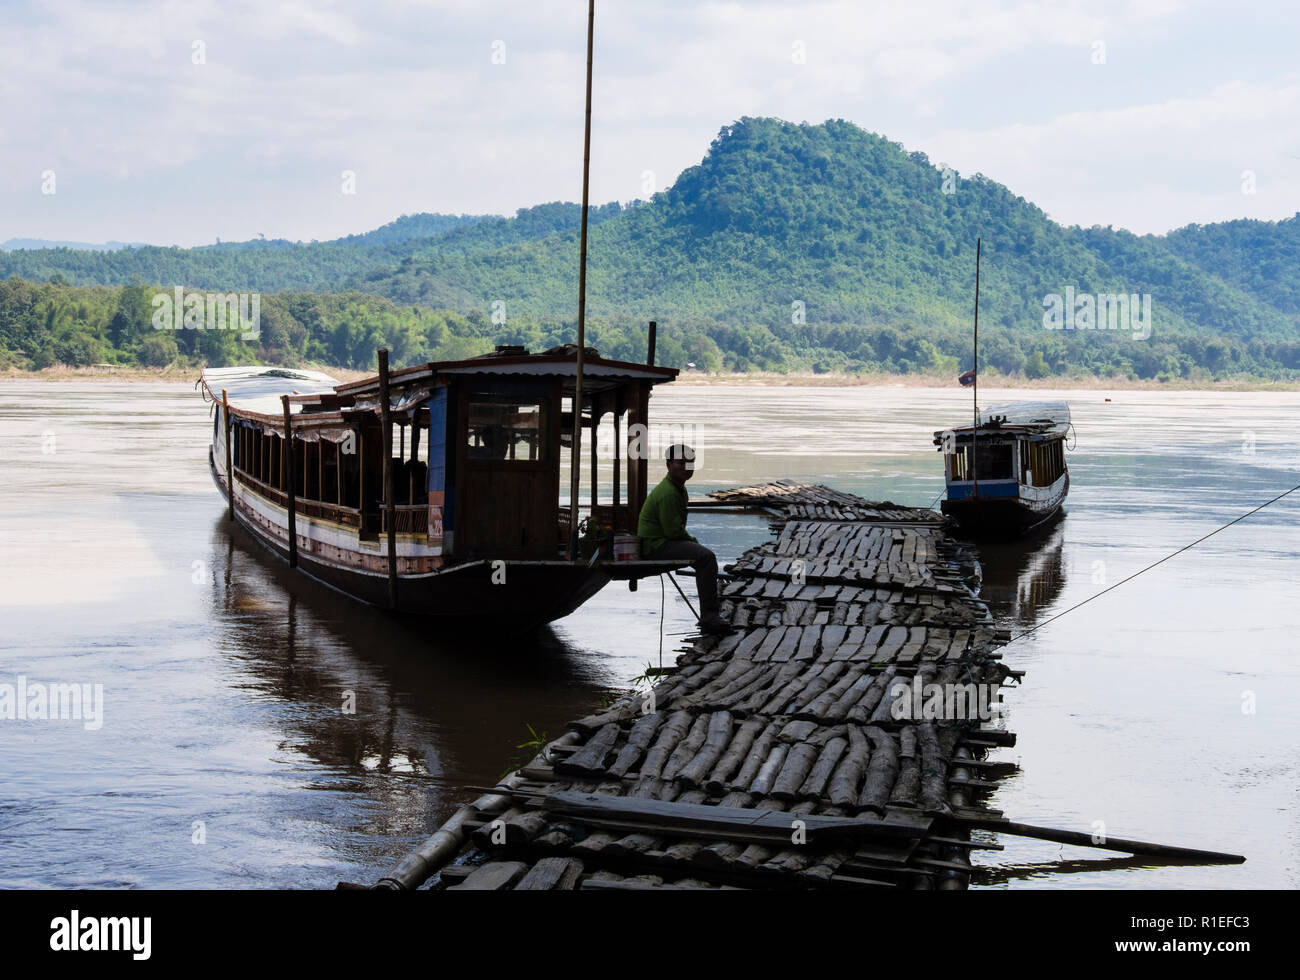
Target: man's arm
(672, 517)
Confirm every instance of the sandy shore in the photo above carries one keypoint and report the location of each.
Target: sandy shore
(756, 379)
(810, 380)
(62, 372)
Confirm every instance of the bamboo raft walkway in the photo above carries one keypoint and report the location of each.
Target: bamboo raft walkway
(774, 757)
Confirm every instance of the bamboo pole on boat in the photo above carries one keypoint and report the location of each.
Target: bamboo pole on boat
(975, 393)
(618, 453)
(390, 516)
(595, 423)
(286, 469)
(575, 453)
(230, 472)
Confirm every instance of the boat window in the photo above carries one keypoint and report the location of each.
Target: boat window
(993, 462)
(505, 429)
(1044, 461)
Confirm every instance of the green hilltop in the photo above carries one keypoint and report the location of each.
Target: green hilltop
(790, 246)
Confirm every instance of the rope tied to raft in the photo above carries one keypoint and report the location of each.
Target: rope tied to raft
(662, 596)
(1175, 554)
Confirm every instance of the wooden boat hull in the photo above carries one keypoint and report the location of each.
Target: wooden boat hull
(512, 596)
(1007, 517)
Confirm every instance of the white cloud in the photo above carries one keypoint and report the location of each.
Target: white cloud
(1151, 167)
(406, 94)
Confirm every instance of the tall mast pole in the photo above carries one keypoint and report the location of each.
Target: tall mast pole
(975, 393)
(575, 452)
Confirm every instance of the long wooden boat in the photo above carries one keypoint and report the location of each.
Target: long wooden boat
(1007, 475)
(435, 489)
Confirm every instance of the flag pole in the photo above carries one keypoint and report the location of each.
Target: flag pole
(575, 458)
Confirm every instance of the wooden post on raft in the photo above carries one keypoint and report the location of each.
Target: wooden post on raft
(230, 470)
(650, 343)
(286, 468)
(390, 514)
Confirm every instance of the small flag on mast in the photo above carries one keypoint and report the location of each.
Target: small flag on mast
(966, 379)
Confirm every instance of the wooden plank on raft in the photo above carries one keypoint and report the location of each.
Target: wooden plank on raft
(729, 822)
(734, 755)
(551, 874)
(493, 876)
(715, 743)
(589, 760)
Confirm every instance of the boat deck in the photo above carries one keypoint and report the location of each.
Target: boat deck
(772, 757)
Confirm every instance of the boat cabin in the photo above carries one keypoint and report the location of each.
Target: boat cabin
(477, 449)
(1001, 461)
(1013, 446)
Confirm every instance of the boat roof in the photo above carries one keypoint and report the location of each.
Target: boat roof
(258, 389)
(597, 372)
(1031, 416)
(1028, 413)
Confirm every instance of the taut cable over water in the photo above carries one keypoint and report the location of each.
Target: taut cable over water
(1142, 571)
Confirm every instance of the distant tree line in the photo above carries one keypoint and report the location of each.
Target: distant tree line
(43, 324)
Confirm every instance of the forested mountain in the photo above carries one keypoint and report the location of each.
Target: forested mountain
(1261, 257)
(411, 226)
(788, 246)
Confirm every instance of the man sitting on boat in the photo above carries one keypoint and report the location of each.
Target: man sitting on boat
(662, 530)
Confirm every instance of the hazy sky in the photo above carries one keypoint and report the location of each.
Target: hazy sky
(1142, 114)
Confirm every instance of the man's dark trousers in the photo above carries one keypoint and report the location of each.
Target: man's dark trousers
(706, 569)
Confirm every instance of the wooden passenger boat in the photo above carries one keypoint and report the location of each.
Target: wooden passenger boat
(1007, 475)
(435, 489)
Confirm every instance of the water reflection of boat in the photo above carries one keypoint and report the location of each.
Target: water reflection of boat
(1007, 475)
(409, 707)
(1023, 578)
(434, 489)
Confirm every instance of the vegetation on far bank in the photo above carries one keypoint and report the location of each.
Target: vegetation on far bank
(48, 324)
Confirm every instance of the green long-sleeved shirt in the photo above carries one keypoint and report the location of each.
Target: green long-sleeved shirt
(663, 516)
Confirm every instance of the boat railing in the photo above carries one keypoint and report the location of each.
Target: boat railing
(408, 519)
(348, 516)
(619, 517)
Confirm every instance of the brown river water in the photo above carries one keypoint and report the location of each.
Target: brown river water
(1166, 710)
